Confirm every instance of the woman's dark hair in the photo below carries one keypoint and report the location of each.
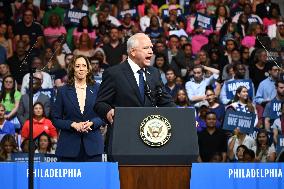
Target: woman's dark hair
(186, 103)
(7, 138)
(58, 20)
(49, 146)
(89, 27)
(218, 8)
(39, 103)
(4, 92)
(166, 64)
(249, 104)
(268, 142)
(71, 66)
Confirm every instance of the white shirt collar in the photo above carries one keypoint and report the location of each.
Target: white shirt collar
(135, 68)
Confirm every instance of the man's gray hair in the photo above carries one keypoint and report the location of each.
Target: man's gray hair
(133, 41)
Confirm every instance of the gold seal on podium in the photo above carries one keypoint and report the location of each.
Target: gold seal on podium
(155, 130)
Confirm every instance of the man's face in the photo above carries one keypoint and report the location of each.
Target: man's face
(114, 33)
(236, 56)
(197, 74)
(274, 72)
(28, 17)
(188, 50)
(241, 71)
(230, 45)
(143, 52)
(173, 42)
(280, 89)
(4, 69)
(211, 120)
(2, 112)
(170, 76)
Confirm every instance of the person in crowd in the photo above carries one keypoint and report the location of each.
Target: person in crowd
(154, 30)
(73, 115)
(146, 19)
(266, 90)
(59, 52)
(162, 65)
(85, 47)
(105, 10)
(181, 99)
(44, 144)
(264, 9)
(6, 42)
(214, 105)
(51, 65)
(123, 85)
(17, 65)
(173, 46)
(237, 140)
(242, 25)
(28, 27)
(4, 71)
(239, 72)
(264, 150)
(8, 145)
(25, 146)
(6, 127)
(54, 29)
(46, 78)
(23, 110)
(41, 124)
(28, 4)
(221, 17)
(272, 109)
(115, 51)
(211, 140)
(85, 26)
(171, 86)
(10, 98)
(124, 7)
(147, 3)
(97, 70)
(240, 153)
(277, 126)
(249, 156)
(196, 86)
(253, 18)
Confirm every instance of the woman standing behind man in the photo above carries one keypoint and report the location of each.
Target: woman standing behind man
(80, 138)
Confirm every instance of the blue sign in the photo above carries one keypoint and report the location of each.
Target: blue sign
(61, 175)
(280, 143)
(237, 175)
(234, 119)
(73, 16)
(56, 2)
(273, 109)
(231, 87)
(203, 21)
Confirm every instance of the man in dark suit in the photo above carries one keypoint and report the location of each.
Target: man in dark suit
(264, 10)
(133, 83)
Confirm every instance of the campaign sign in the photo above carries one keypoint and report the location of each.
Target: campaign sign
(56, 2)
(237, 175)
(87, 175)
(73, 16)
(280, 143)
(38, 157)
(231, 87)
(244, 121)
(203, 21)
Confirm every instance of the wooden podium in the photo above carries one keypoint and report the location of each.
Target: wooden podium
(154, 177)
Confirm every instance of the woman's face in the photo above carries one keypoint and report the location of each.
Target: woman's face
(8, 147)
(160, 62)
(3, 29)
(240, 153)
(85, 22)
(154, 21)
(80, 69)
(43, 142)
(9, 83)
(262, 138)
(222, 11)
(263, 56)
(53, 20)
(210, 96)
(48, 53)
(38, 111)
(243, 95)
(181, 96)
(202, 57)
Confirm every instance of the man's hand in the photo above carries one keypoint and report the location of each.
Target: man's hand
(110, 115)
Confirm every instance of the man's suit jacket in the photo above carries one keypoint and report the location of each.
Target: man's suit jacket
(23, 111)
(119, 89)
(65, 111)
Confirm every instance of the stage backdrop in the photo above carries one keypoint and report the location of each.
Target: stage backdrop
(237, 176)
(14, 175)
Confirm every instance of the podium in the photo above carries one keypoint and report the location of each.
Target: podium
(145, 160)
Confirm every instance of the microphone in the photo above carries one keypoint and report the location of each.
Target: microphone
(159, 91)
(148, 91)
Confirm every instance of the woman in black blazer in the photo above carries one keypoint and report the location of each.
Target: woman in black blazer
(80, 138)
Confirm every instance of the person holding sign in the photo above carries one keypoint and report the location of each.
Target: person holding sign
(278, 125)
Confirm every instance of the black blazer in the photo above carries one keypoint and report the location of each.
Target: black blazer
(119, 89)
(65, 111)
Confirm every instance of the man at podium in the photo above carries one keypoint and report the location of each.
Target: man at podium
(133, 83)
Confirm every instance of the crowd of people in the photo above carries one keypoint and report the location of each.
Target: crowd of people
(212, 55)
